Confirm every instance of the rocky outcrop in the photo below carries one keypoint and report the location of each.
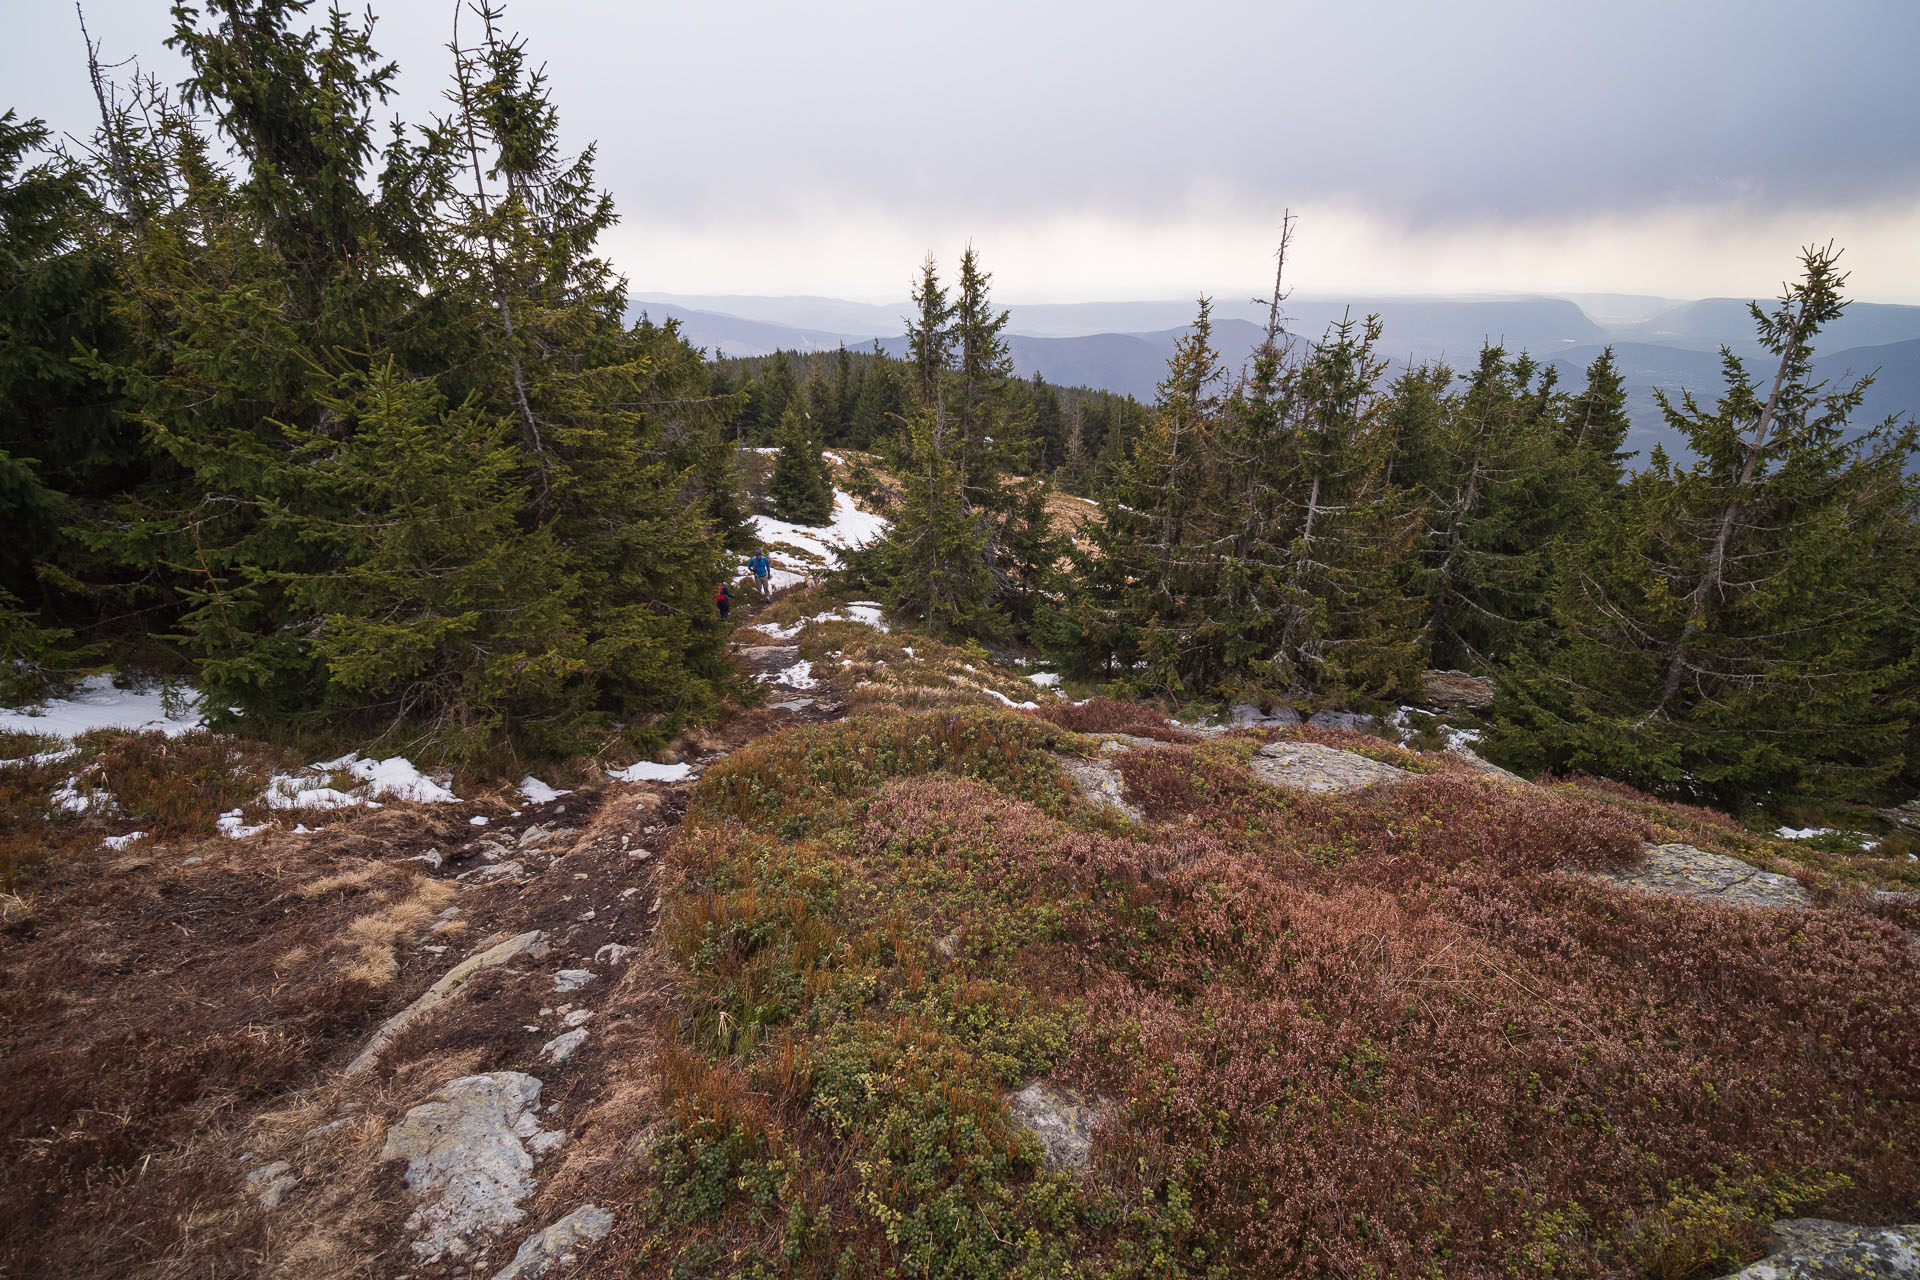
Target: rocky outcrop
(1906, 817)
(556, 1245)
(1688, 872)
(1816, 1248)
(1060, 1117)
(532, 942)
(1100, 784)
(1457, 691)
(469, 1154)
(1308, 766)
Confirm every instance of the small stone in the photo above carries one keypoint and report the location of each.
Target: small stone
(270, 1183)
(561, 1047)
(572, 979)
(496, 871)
(1348, 720)
(431, 857)
(1100, 785)
(578, 1017)
(1060, 1117)
(949, 946)
(613, 952)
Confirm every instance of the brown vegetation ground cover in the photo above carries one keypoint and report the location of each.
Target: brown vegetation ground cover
(1393, 1033)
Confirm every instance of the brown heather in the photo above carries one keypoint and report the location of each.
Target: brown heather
(1385, 1034)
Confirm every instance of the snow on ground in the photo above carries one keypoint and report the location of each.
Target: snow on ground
(821, 545)
(538, 792)
(234, 826)
(45, 757)
(98, 705)
(865, 612)
(1018, 706)
(1805, 833)
(798, 676)
(647, 771)
(394, 778)
(1045, 679)
(69, 798)
(117, 843)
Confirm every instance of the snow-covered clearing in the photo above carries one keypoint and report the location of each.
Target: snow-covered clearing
(98, 705)
(799, 551)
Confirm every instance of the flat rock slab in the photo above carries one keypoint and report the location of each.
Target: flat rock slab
(1308, 766)
(555, 1245)
(1687, 872)
(1816, 1248)
(1060, 1117)
(467, 1159)
(1100, 784)
(1457, 691)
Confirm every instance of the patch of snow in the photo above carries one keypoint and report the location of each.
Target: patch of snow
(1804, 833)
(69, 798)
(118, 843)
(98, 705)
(233, 826)
(908, 650)
(45, 757)
(647, 771)
(393, 778)
(1458, 738)
(1018, 706)
(539, 792)
(478, 820)
(798, 676)
(1045, 679)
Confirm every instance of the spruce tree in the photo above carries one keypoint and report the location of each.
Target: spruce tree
(880, 405)
(66, 445)
(1727, 628)
(802, 487)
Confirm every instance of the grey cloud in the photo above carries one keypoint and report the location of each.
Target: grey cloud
(1505, 112)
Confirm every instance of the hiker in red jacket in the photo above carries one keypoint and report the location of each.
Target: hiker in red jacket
(723, 599)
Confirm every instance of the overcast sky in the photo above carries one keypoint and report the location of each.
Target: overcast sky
(1144, 150)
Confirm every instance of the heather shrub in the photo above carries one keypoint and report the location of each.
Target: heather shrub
(1108, 715)
(794, 771)
(1383, 1033)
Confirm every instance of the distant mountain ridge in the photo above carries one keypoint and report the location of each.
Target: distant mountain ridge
(1124, 346)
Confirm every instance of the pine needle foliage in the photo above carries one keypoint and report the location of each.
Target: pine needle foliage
(801, 487)
(1730, 630)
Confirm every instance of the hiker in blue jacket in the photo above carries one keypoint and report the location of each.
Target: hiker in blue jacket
(762, 574)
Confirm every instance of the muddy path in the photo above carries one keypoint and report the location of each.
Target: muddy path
(201, 1080)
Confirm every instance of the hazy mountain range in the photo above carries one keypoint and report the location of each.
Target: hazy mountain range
(1660, 343)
